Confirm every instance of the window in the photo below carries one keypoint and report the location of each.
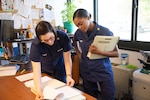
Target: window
(86, 5)
(128, 19)
(116, 15)
(89, 6)
(143, 27)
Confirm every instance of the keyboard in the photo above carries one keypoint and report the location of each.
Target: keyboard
(20, 58)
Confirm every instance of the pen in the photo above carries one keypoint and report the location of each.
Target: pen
(23, 71)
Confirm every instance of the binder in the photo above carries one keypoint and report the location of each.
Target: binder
(103, 43)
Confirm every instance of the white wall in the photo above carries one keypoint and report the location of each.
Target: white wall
(133, 57)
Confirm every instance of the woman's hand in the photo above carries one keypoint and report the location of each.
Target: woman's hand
(114, 53)
(39, 97)
(93, 49)
(70, 81)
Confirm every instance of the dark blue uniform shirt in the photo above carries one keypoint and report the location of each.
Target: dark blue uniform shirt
(95, 70)
(51, 57)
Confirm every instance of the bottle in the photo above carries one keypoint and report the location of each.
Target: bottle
(124, 59)
(30, 34)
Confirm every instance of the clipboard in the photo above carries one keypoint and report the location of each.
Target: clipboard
(103, 43)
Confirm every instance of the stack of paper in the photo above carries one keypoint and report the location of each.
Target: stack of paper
(24, 77)
(54, 89)
(8, 70)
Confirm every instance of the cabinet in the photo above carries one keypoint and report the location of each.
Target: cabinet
(122, 79)
(75, 63)
(75, 68)
(141, 85)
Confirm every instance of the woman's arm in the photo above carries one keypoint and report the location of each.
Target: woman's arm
(37, 79)
(68, 67)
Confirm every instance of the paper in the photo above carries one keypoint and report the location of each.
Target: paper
(24, 10)
(6, 16)
(62, 93)
(16, 4)
(34, 14)
(31, 82)
(8, 70)
(52, 94)
(54, 89)
(17, 21)
(30, 2)
(26, 23)
(39, 4)
(46, 81)
(103, 43)
(69, 92)
(25, 77)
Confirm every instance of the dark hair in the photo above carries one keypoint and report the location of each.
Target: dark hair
(81, 13)
(43, 27)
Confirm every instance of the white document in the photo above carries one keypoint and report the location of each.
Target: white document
(52, 94)
(63, 93)
(46, 81)
(69, 92)
(6, 16)
(25, 77)
(17, 21)
(8, 70)
(24, 10)
(54, 89)
(103, 43)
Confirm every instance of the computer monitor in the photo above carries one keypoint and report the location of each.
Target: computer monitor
(6, 30)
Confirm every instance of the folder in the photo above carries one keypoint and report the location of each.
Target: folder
(103, 43)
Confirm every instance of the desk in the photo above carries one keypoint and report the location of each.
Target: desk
(13, 89)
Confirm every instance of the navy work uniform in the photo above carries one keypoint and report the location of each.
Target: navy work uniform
(51, 57)
(95, 70)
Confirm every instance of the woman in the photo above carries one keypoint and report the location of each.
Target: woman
(50, 54)
(93, 71)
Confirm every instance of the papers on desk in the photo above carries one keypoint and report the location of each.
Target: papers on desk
(46, 81)
(25, 77)
(103, 43)
(63, 93)
(56, 90)
(8, 70)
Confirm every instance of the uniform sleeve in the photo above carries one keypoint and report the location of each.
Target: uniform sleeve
(34, 53)
(106, 31)
(75, 36)
(67, 43)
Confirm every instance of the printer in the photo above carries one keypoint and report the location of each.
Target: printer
(141, 79)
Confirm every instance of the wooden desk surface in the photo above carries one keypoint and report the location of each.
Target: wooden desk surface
(13, 89)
